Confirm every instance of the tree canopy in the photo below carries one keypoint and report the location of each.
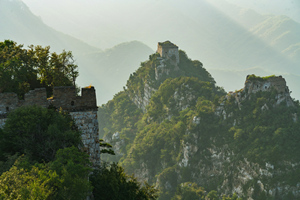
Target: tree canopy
(23, 69)
(38, 132)
(41, 158)
(111, 182)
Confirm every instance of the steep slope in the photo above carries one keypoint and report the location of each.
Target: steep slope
(183, 129)
(19, 24)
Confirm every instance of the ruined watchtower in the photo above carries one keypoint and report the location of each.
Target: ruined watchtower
(168, 50)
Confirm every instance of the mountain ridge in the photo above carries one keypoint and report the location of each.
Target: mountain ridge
(190, 131)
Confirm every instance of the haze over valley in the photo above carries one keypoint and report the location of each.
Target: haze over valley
(223, 36)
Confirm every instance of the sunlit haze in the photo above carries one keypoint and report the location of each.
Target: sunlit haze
(88, 19)
(234, 37)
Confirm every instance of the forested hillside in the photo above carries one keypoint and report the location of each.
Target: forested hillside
(43, 154)
(181, 132)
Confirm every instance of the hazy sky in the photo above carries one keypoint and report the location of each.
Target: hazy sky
(79, 17)
(194, 25)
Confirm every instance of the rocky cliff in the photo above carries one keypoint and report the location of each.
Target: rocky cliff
(189, 130)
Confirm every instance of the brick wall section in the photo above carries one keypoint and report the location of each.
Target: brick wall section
(87, 123)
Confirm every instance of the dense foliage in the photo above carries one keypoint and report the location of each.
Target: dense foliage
(190, 124)
(40, 156)
(191, 191)
(23, 69)
(40, 149)
(66, 177)
(38, 132)
(118, 115)
(111, 182)
(264, 132)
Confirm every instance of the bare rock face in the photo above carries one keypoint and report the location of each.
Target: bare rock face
(143, 101)
(255, 84)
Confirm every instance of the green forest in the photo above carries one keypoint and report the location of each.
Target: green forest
(41, 154)
(193, 139)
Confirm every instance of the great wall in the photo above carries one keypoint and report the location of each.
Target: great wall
(83, 109)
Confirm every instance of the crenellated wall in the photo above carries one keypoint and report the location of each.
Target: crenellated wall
(66, 98)
(83, 110)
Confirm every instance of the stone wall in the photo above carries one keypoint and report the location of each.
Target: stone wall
(66, 98)
(8, 101)
(2, 122)
(87, 123)
(167, 50)
(276, 82)
(83, 110)
(63, 97)
(37, 96)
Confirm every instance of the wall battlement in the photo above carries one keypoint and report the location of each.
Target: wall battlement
(66, 98)
(83, 109)
(63, 97)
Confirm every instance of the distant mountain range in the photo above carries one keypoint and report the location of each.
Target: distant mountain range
(20, 25)
(234, 40)
(107, 70)
(110, 69)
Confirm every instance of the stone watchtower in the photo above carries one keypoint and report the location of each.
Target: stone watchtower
(168, 50)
